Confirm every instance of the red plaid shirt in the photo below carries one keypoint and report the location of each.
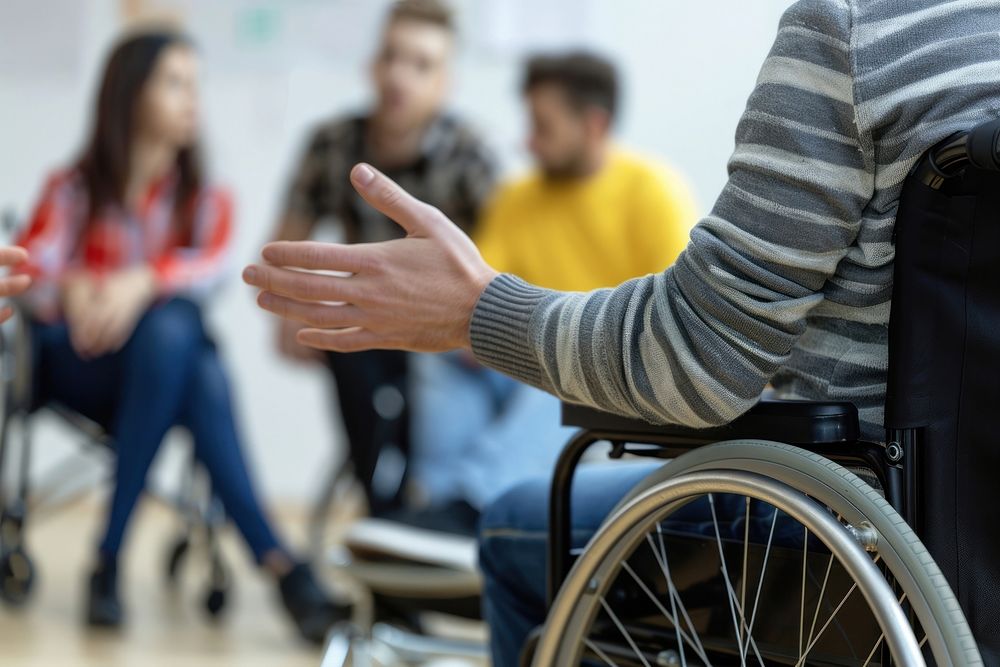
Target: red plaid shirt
(121, 239)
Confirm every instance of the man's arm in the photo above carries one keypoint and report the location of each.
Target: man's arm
(693, 345)
(697, 343)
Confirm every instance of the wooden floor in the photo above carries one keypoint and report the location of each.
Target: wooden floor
(165, 626)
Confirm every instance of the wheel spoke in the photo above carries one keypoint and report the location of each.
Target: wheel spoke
(625, 633)
(746, 549)
(871, 655)
(670, 593)
(802, 608)
(675, 598)
(760, 582)
(819, 603)
(826, 625)
(725, 575)
(600, 654)
(671, 617)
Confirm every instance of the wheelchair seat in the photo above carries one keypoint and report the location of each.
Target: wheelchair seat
(801, 423)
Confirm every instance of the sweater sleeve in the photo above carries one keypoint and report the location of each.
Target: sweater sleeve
(696, 344)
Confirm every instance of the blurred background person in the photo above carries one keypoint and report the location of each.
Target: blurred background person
(123, 244)
(589, 215)
(409, 134)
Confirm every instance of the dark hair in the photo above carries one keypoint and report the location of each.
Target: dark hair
(588, 79)
(434, 12)
(104, 164)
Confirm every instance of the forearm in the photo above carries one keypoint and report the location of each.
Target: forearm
(644, 349)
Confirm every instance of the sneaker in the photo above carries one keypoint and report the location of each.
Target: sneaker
(104, 609)
(310, 608)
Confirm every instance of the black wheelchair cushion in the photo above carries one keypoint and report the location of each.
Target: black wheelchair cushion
(794, 422)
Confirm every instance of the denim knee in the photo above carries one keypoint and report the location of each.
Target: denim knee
(166, 336)
(209, 382)
(515, 519)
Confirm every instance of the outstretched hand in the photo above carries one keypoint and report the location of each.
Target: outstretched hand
(415, 293)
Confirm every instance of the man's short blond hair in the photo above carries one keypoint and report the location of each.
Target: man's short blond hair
(433, 12)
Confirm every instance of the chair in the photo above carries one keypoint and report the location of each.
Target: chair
(21, 496)
(406, 583)
(807, 549)
(416, 592)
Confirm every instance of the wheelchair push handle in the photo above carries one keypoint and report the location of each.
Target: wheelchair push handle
(979, 147)
(984, 146)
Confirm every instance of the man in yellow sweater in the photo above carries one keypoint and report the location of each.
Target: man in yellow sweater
(590, 215)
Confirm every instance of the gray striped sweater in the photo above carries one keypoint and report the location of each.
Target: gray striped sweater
(789, 279)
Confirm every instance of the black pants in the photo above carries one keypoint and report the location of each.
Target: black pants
(367, 381)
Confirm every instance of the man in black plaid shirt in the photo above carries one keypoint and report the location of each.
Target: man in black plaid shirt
(407, 135)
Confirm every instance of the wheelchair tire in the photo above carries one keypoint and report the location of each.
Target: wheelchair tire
(17, 577)
(807, 484)
(215, 602)
(175, 558)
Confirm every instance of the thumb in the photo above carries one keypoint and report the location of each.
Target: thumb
(385, 195)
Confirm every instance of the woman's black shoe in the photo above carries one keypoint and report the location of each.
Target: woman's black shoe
(104, 609)
(312, 610)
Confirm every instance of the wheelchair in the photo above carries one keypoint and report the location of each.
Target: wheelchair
(410, 588)
(804, 549)
(22, 497)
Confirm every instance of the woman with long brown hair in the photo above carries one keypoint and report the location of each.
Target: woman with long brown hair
(122, 244)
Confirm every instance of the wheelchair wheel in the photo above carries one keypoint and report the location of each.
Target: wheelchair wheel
(17, 577)
(753, 552)
(218, 588)
(175, 558)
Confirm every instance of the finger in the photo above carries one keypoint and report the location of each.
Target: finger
(341, 340)
(118, 332)
(80, 339)
(386, 196)
(12, 255)
(320, 315)
(314, 255)
(6, 313)
(298, 284)
(104, 337)
(96, 325)
(14, 285)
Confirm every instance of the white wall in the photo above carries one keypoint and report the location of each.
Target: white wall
(273, 68)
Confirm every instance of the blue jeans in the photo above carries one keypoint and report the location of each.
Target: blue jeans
(475, 433)
(168, 374)
(514, 534)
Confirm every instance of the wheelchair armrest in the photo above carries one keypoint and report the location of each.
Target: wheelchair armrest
(794, 422)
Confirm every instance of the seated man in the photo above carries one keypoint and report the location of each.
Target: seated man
(410, 134)
(788, 281)
(590, 215)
